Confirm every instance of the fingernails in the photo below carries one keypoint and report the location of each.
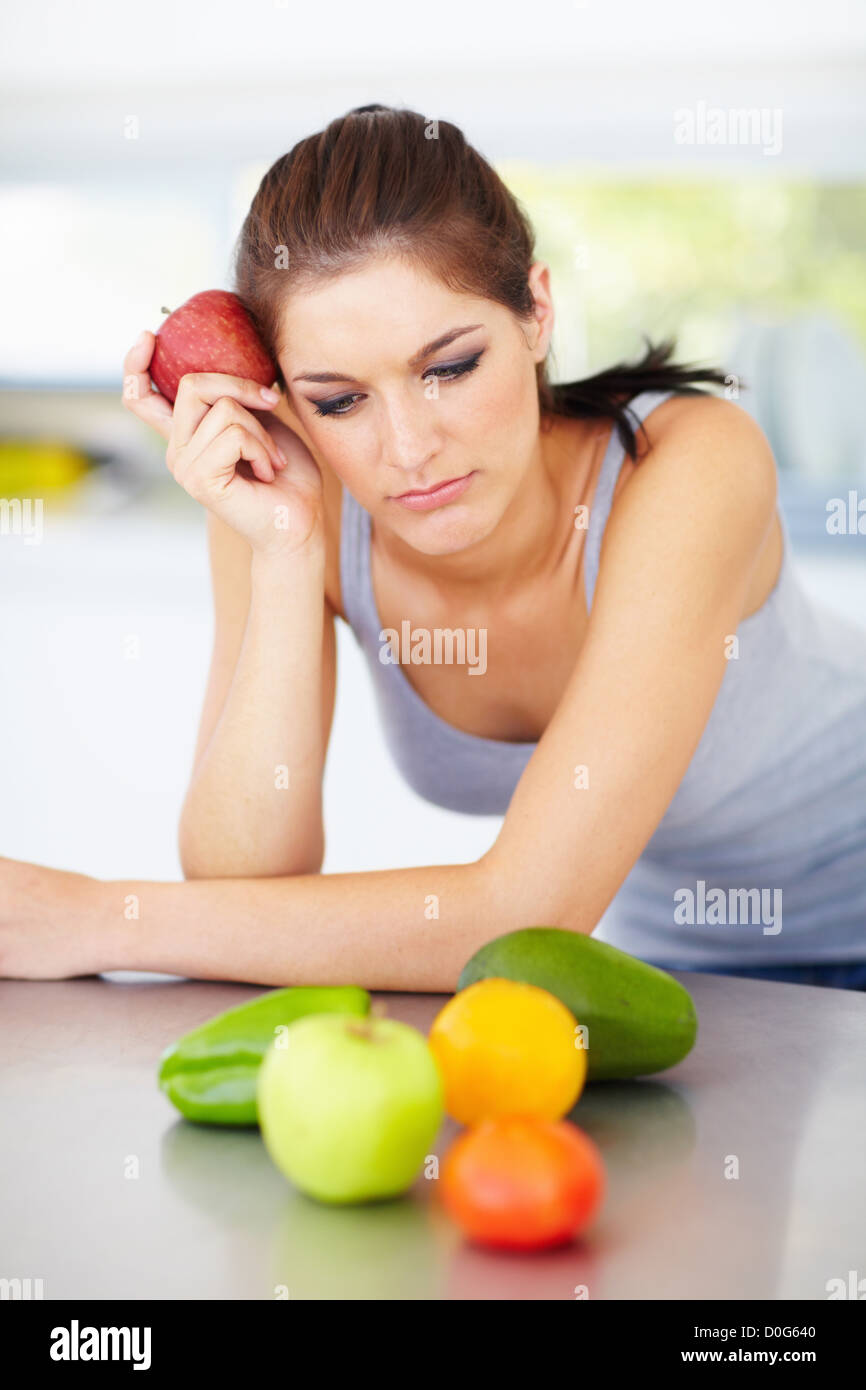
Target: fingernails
(139, 342)
(268, 395)
(283, 460)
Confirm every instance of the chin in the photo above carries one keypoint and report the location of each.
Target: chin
(447, 531)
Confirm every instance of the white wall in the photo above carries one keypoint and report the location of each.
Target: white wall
(585, 79)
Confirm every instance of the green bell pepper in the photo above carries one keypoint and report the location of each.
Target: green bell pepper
(210, 1073)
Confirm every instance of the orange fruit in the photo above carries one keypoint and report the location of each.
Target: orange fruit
(522, 1184)
(506, 1048)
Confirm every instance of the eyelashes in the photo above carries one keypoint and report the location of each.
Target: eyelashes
(451, 371)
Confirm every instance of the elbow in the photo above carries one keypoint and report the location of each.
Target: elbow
(521, 892)
(196, 865)
(189, 861)
(199, 861)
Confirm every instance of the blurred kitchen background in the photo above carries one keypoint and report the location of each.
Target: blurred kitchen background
(690, 170)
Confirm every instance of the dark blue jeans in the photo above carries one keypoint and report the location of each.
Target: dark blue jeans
(838, 975)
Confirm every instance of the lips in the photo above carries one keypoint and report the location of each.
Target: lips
(438, 496)
(428, 491)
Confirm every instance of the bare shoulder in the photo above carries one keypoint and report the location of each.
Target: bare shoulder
(332, 495)
(714, 448)
(712, 427)
(705, 486)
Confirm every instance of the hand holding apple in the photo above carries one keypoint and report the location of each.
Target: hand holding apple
(210, 332)
(226, 447)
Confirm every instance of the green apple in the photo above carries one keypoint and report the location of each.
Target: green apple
(349, 1107)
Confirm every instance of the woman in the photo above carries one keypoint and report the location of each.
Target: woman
(664, 719)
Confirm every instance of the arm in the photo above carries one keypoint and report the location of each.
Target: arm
(269, 705)
(679, 550)
(254, 804)
(369, 929)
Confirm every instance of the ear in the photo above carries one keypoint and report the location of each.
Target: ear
(539, 283)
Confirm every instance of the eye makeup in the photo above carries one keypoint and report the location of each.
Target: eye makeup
(445, 372)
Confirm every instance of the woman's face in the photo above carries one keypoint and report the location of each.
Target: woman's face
(392, 413)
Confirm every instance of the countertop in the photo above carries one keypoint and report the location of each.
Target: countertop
(106, 1192)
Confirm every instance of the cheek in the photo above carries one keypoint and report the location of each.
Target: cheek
(347, 455)
(503, 414)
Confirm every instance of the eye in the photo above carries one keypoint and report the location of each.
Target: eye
(449, 371)
(454, 370)
(334, 407)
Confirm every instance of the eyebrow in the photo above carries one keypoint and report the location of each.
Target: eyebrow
(414, 361)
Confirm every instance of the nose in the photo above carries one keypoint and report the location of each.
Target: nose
(411, 435)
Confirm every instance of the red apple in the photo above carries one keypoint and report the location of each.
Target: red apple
(211, 332)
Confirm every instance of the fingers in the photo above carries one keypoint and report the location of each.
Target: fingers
(210, 475)
(198, 391)
(139, 355)
(225, 414)
(138, 397)
(148, 405)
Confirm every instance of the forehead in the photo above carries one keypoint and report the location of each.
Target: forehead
(387, 307)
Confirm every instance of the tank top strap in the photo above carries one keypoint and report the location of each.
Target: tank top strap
(355, 580)
(639, 407)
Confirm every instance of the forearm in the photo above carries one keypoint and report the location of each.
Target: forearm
(394, 929)
(254, 806)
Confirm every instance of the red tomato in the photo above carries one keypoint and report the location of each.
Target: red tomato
(521, 1183)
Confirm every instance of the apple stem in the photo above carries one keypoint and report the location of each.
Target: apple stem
(163, 310)
(362, 1027)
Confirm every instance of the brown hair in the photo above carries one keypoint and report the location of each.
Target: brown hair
(382, 179)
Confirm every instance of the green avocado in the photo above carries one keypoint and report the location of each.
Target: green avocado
(638, 1018)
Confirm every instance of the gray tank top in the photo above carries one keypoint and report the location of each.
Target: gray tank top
(760, 857)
